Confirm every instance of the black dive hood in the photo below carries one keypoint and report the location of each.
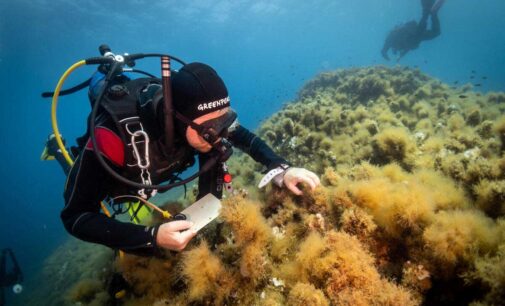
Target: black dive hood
(113, 65)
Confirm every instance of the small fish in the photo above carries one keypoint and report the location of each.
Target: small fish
(473, 71)
(463, 96)
(472, 77)
(478, 85)
(456, 82)
(484, 77)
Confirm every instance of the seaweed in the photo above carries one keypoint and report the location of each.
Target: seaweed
(410, 210)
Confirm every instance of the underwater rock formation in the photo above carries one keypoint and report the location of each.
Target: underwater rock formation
(411, 209)
(76, 273)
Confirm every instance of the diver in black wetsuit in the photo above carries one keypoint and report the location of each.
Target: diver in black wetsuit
(200, 96)
(408, 36)
(11, 278)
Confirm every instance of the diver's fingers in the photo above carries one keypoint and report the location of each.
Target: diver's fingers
(186, 236)
(308, 177)
(170, 237)
(294, 176)
(178, 225)
(292, 186)
(314, 177)
(307, 180)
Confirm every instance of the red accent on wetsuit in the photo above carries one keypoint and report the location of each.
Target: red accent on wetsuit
(227, 178)
(110, 145)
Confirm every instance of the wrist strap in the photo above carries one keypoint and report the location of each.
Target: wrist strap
(273, 174)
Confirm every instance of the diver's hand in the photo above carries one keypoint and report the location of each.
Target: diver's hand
(294, 176)
(175, 235)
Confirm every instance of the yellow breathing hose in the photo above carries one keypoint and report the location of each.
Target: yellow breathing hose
(54, 105)
(165, 214)
(61, 146)
(54, 121)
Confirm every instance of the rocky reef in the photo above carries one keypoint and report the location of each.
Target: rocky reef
(411, 210)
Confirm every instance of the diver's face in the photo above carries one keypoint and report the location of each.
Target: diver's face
(195, 140)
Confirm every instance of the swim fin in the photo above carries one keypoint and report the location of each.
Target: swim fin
(437, 6)
(45, 155)
(50, 148)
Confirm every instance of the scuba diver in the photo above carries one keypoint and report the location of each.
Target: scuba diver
(144, 139)
(408, 36)
(12, 278)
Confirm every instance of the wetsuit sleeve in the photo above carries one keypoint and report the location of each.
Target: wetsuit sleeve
(86, 186)
(255, 147)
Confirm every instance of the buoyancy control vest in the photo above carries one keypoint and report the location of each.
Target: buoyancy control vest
(134, 107)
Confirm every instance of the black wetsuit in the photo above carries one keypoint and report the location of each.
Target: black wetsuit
(409, 36)
(88, 183)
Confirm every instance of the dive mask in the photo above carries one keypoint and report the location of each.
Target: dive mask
(215, 132)
(218, 127)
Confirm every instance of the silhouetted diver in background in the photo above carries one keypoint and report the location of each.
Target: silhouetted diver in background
(408, 36)
(9, 277)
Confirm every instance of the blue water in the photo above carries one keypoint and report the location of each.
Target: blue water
(264, 50)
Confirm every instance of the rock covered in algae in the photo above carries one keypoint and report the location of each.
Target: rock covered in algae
(410, 211)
